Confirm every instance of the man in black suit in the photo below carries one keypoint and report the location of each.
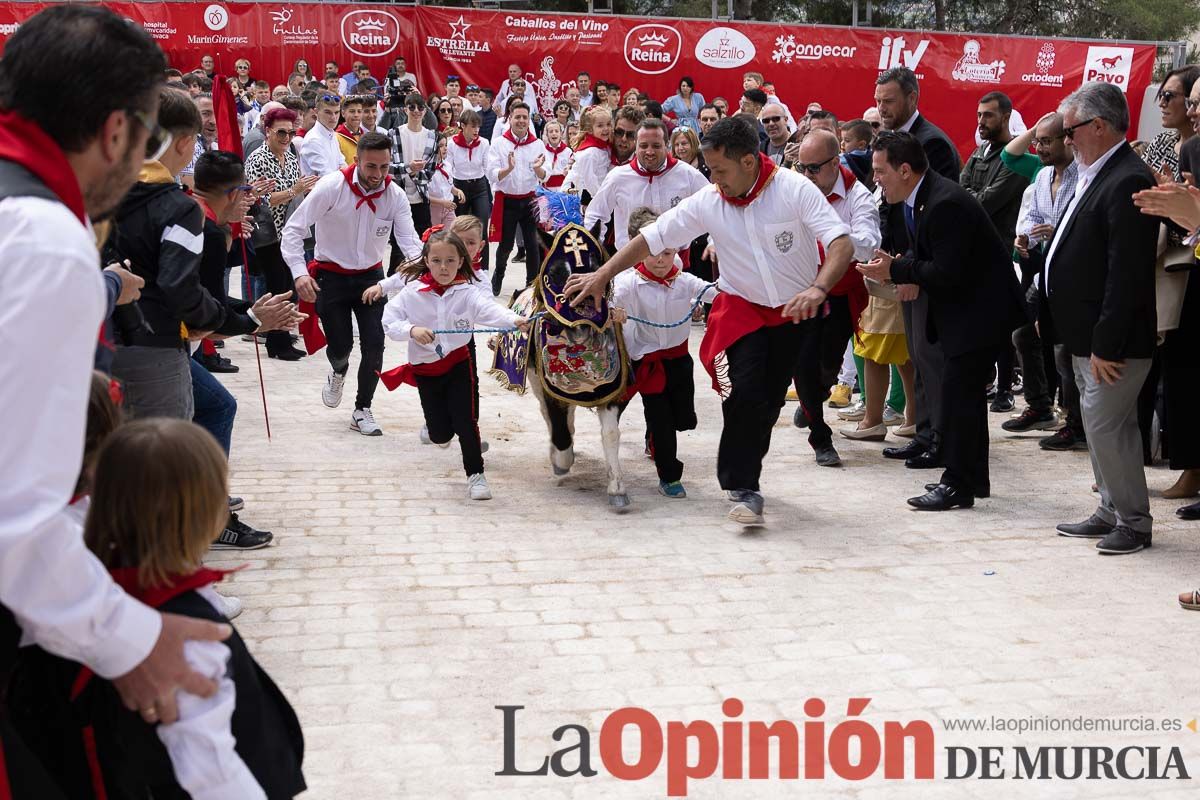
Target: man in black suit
(961, 265)
(1099, 278)
(896, 96)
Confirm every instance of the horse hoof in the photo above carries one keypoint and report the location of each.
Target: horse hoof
(559, 471)
(561, 461)
(619, 502)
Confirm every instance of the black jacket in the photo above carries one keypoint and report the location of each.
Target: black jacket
(1101, 276)
(941, 152)
(161, 231)
(962, 266)
(996, 187)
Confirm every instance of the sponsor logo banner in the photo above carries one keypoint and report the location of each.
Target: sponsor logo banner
(652, 49)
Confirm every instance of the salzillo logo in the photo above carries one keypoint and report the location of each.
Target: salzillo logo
(652, 49)
(787, 49)
(216, 17)
(724, 48)
(370, 33)
(1045, 62)
(1108, 64)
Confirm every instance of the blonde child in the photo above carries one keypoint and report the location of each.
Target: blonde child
(558, 155)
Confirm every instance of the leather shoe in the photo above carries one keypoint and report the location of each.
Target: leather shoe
(907, 451)
(827, 456)
(929, 487)
(930, 459)
(1188, 512)
(288, 354)
(942, 498)
(1091, 528)
(1123, 541)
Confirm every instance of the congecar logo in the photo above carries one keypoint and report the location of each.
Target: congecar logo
(652, 49)
(370, 33)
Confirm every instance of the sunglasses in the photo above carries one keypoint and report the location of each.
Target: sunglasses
(1166, 96)
(445, 110)
(1069, 130)
(331, 98)
(243, 67)
(875, 125)
(160, 138)
(1046, 141)
(771, 120)
(625, 134)
(283, 133)
(813, 169)
(414, 107)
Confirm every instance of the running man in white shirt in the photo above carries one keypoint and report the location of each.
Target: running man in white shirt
(354, 210)
(319, 150)
(765, 224)
(515, 166)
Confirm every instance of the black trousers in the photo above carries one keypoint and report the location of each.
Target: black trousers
(279, 280)
(518, 213)
(449, 405)
(340, 296)
(1070, 389)
(1031, 351)
(672, 410)
(761, 364)
(479, 203)
(964, 432)
(421, 219)
(809, 375)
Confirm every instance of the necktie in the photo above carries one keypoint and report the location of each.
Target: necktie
(910, 223)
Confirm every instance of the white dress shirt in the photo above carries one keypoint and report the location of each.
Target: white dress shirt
(767, 249)
(349, 235)
(624, 190)
(506, 92)
(467, 164)
(460, 307)
(857, 208)
(319, 152)
(1086, 177)
(588, 169)
(200, 743)
(642, 297)
(54, 301)
(522, 180)
(557, 164)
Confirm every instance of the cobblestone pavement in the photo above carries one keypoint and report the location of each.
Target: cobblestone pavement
(396, 614)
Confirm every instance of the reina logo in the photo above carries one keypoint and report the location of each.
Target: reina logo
(652, 49)
(370, 33)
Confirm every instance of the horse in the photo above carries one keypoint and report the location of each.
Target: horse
(571, 357)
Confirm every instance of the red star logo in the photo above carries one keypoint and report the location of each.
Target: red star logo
(458, 30)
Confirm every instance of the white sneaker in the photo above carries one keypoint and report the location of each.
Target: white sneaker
(230, 606)
(854, 412)
(424, 435)
(477, 487)
(363, 421)
(891, 417)
(331, 395)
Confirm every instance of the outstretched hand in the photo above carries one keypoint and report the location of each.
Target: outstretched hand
(581, 288)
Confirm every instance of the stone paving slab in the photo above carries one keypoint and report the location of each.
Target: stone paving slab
(396, 614)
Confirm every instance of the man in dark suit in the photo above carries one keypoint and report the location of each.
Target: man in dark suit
(1099, 279)
(961, 265)
(896, 96)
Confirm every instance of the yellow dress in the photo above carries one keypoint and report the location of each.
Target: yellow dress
(881, 338)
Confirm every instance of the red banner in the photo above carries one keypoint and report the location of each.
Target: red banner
(833, 66)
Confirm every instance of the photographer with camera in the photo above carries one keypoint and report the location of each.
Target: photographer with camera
(415, 150)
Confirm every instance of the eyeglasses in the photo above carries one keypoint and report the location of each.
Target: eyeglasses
(623, 134)
(243, 67)
(1046, 141)
(771, 120)
(245, 187)
(160, 138)
(445, 110)
(1069, 130)
(283, 133)
(813, 169)
(1166, 96)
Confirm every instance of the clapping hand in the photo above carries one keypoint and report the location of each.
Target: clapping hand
(878, 268)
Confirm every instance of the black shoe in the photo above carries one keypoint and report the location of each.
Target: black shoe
(1064, 439)
(1091, 528)
(931, 459)
(1031, 420)
(910, 450)
(827, 456)
(240, 536)
(214, 363)
(288, 354)
(219, 344)
(942, 498)
(991, 391)
(497, 279)
(929, 487)
(1123, 541)
(1003, 402)
(1189, 512)
(798, 418)
(520, 256)
(236, 504)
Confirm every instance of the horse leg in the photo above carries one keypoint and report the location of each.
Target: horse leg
(559, 422)
(610, 434)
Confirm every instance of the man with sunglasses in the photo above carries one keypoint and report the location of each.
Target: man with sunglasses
(624, 137)
(525, 91)
(320, 153)
(774, 121)
(1099, 281)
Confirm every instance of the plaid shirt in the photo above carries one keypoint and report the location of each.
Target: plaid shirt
(1045, 209)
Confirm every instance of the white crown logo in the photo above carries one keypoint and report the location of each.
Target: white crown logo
(369, 23)
(655, 39)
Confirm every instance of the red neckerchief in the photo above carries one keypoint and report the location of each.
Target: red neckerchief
(369, 199)
(157, 595)
(666, 280)
(431, 285)
(591, 140)
(554, 153)
(470, 148)
(477, 262)
(650, 176)
(344, 131)
(208, 212)
(848, 179)
(766, 171)
(22, 141)
(529, 138)
(442, 170)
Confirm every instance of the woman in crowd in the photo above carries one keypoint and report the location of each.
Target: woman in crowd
(562, 113)
(685, 104)
(302, 69)
(445, 116)
(630, 98)
(245, 83)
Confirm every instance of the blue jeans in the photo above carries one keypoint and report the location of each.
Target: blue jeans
(215, 406)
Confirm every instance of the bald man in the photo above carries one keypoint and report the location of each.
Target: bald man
(775, 122)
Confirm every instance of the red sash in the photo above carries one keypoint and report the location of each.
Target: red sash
(310, 329)
(496, 222)
(407, 373)
(731, 318)
(650, 377)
